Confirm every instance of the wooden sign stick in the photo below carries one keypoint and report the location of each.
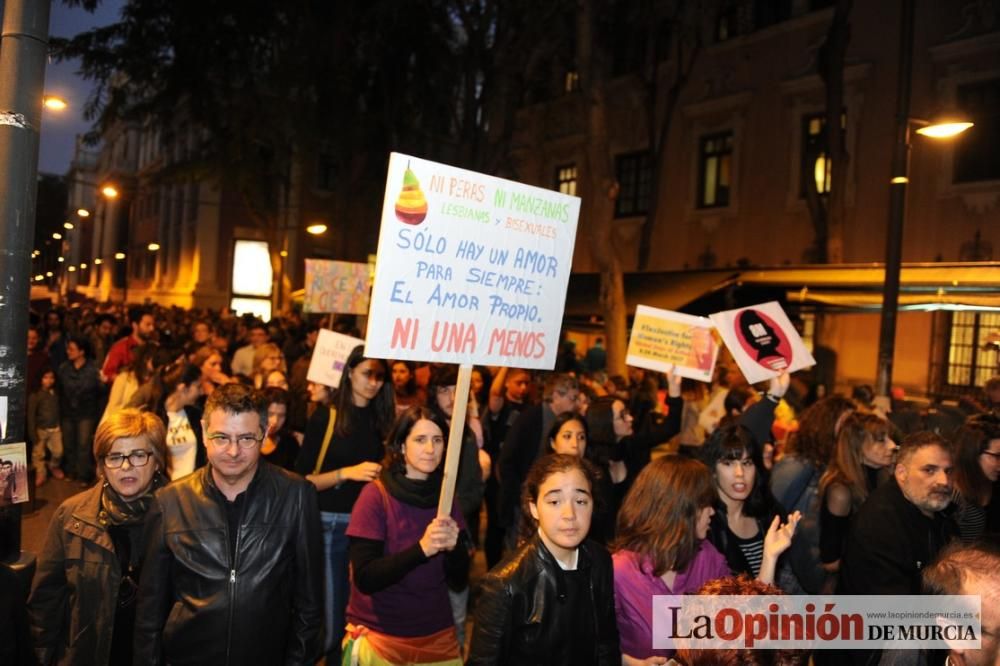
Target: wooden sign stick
(455, 441)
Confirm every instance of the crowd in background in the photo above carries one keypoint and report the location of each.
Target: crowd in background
(598, 491)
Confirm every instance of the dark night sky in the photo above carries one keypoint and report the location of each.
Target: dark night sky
(59, 129)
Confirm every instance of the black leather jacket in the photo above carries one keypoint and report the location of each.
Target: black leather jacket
(198, 607)
(522, 604)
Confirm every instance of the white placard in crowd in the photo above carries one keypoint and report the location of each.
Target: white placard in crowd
(329, 356)
(471, 268)
(762, 340)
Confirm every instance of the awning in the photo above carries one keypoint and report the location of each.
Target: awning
(668, 291)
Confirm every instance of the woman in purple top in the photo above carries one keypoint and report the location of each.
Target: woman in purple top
(661, 548)
(401, 552)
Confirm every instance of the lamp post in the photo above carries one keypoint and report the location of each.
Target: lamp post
(897, 196)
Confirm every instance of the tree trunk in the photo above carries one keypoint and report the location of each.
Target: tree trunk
(603, 190)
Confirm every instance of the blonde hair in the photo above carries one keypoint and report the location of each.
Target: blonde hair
(127, 423)
(261, 353)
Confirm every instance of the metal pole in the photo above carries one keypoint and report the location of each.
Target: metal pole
(897, 206)
(23, 49)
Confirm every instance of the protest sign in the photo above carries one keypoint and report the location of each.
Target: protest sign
(13, 473)
(663, 340)
(336, 286)
(471, 268)
(332, 350)
(762, 340)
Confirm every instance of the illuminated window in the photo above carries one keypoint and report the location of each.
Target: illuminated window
(572, 81)
(252, 278)
(816, 162)
(972, 356)
(566, 179)
(635, 179)
(715, 170)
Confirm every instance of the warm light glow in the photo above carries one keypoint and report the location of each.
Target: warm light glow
(316, 229)
(61, 259)
(82, 266)
(39, 277)
(944, 130)
(48, 273)
(900, 180)
(252, 274)
(110, 191)
(71, 269)
(67, 225)
(83, 212)
(153, 247)
(119, 255)
(57, 235)
(98, 261)
(284, 253)
(54, 103)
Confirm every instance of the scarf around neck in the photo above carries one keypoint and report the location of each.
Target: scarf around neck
(421, 494)
(116, 511)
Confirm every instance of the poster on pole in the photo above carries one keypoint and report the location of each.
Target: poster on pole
(664, 340)
(341, 287)
(13, 473)
(329, 357)
(471, 269)
(762, 340)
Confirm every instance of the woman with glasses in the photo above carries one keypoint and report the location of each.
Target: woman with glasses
(82, 603)
(266, 359)
(340, 453)
(977, 467)
(863, 449)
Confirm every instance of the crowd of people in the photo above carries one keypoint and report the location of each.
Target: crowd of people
(234, 512)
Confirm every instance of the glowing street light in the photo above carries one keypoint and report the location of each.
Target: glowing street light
(61, 259)
(56, 235)
(119, 256)
(82, 212)
(98, 261)
(67, 225)
(54, 103)
(110, 191)
(316, 229)
(82, 266)
(153, 247)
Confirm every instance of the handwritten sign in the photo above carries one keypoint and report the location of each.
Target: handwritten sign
(336, 286)
(663, 340)
(762, 340)
(471, 268)
(329, 356)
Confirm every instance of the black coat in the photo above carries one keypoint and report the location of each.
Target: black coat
(523, 600)
(198, 606)
(889, 542)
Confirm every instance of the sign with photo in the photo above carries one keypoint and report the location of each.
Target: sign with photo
(13, 473)
(762, 340)
(664, 340)
(471, 269)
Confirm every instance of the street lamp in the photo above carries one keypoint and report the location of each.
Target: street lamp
(897, 196)
(109, 191)
(82, 212)
(54, 103)
(316, 229)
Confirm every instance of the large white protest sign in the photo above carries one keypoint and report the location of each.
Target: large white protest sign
(471, 268)
(762, 340)
(329, 357)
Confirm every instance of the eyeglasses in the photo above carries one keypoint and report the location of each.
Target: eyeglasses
(135, 459)
(245, 441)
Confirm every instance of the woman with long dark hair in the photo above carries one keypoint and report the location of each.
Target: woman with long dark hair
(401, 551)
(341, 452)
(977, 467)
(177, 389)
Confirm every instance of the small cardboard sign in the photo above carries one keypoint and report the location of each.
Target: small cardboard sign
(13, 473)
(763, 341)
(664, 340)
(340, 287)
(329, 357)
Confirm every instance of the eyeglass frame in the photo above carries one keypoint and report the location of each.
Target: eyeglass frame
(221, 440)
(122, 457)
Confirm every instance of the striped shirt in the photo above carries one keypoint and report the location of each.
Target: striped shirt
(753, 551)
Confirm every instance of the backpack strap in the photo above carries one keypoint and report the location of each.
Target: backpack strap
(326, 440)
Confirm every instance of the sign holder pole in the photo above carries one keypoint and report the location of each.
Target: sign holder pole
(455, 441)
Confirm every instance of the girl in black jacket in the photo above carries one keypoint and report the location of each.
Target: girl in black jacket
(552, 601)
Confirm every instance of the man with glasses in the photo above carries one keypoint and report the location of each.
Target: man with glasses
(234, 559)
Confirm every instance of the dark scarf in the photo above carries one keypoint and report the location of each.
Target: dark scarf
(421, 494)
(116, 511)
